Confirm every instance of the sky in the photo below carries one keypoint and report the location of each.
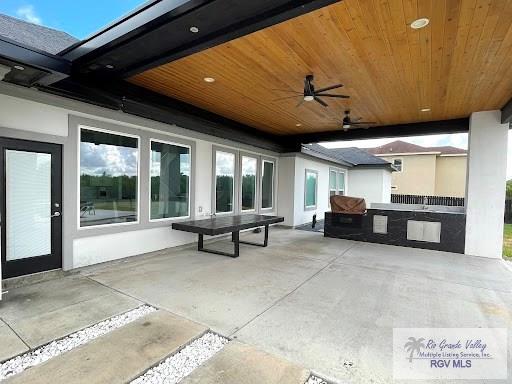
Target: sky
(79, 18)
(459, 140)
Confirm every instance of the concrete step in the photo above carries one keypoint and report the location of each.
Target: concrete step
(119, 356)
(240, 363)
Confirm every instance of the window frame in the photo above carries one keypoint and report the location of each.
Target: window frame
(401, 164)
(257, 188)
(170, 219)
(139, 151)
(236, 181)
(263, 160)
(337, 171)
(310, 207)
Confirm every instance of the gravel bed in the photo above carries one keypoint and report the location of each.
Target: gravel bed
(316, 380)
(55, 348)
(179, 365)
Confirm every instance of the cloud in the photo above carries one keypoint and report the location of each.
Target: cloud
(459, 140)
(28, 13)
(109, 159)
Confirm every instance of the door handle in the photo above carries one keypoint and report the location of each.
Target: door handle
(55, 214)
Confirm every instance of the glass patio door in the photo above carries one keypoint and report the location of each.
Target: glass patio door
(31, 215)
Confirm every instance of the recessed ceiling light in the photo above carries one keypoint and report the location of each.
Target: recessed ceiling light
(420, 23)
(425, 109)
(19, 67)
(109, 66)
(209, 79)
(298, 125)
(194, 29)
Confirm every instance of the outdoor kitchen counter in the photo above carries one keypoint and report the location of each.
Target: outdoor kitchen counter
(443, 231)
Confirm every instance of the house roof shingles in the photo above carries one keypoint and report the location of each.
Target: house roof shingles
(35, 36)
(399, 146)
(352, 157)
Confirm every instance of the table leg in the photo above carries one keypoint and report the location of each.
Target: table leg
(265, 240)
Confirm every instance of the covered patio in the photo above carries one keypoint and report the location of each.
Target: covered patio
(120, 150)
(326, 305)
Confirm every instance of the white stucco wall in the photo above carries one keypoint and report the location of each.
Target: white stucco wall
(486, 180)
(286, 204)
(374, 185)
(28, 117)
(302, 215)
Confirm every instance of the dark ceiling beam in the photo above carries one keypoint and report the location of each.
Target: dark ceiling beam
(134, 100)
(506, 113)
(160, 33)
(39, 66)
(387, 131)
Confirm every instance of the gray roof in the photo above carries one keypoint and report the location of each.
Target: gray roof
(35, 36)
(352, 157)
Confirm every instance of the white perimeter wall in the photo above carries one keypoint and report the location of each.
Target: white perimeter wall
(374, 185)
(31, 117)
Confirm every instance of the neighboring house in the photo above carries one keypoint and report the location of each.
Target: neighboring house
(433, 171)
(316, 173)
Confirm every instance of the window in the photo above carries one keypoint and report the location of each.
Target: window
(310, 189)
(170, 180)
(224, 181)
(336, 182)
(267, 185)
(333, 186)
(341, 183)
(397, 163)
(249, 167)
(109, 165)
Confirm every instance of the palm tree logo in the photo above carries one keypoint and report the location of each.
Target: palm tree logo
(414, 345)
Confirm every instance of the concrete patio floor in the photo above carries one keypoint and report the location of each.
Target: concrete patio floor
(328, 305)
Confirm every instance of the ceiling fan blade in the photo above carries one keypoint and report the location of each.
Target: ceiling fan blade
(331, 95)
(363, 122)
(286, 98)
(321, 101)
(329, 88)
(300, 103)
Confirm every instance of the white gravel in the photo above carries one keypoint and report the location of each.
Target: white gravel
(179, 365)
(316, 380)
(20, 363)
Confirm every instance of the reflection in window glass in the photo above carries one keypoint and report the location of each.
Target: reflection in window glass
(224, 181)
(341, 183)
(170, 180)
(249, 165)
(267, 185)
(310, 194)
(108, 178)
(332, 183)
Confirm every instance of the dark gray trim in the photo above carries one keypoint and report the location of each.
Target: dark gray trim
(134, 43)
(399, 130)
(310, 208)
(506, 113)
(51, 68)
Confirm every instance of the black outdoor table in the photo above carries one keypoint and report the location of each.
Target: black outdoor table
(226, 224)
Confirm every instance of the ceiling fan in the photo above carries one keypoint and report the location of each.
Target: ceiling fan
(312, 94)
(349, 123)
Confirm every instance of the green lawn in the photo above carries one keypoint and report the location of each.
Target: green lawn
(507, 242)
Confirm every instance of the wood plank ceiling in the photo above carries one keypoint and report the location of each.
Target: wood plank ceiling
(460, 63)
